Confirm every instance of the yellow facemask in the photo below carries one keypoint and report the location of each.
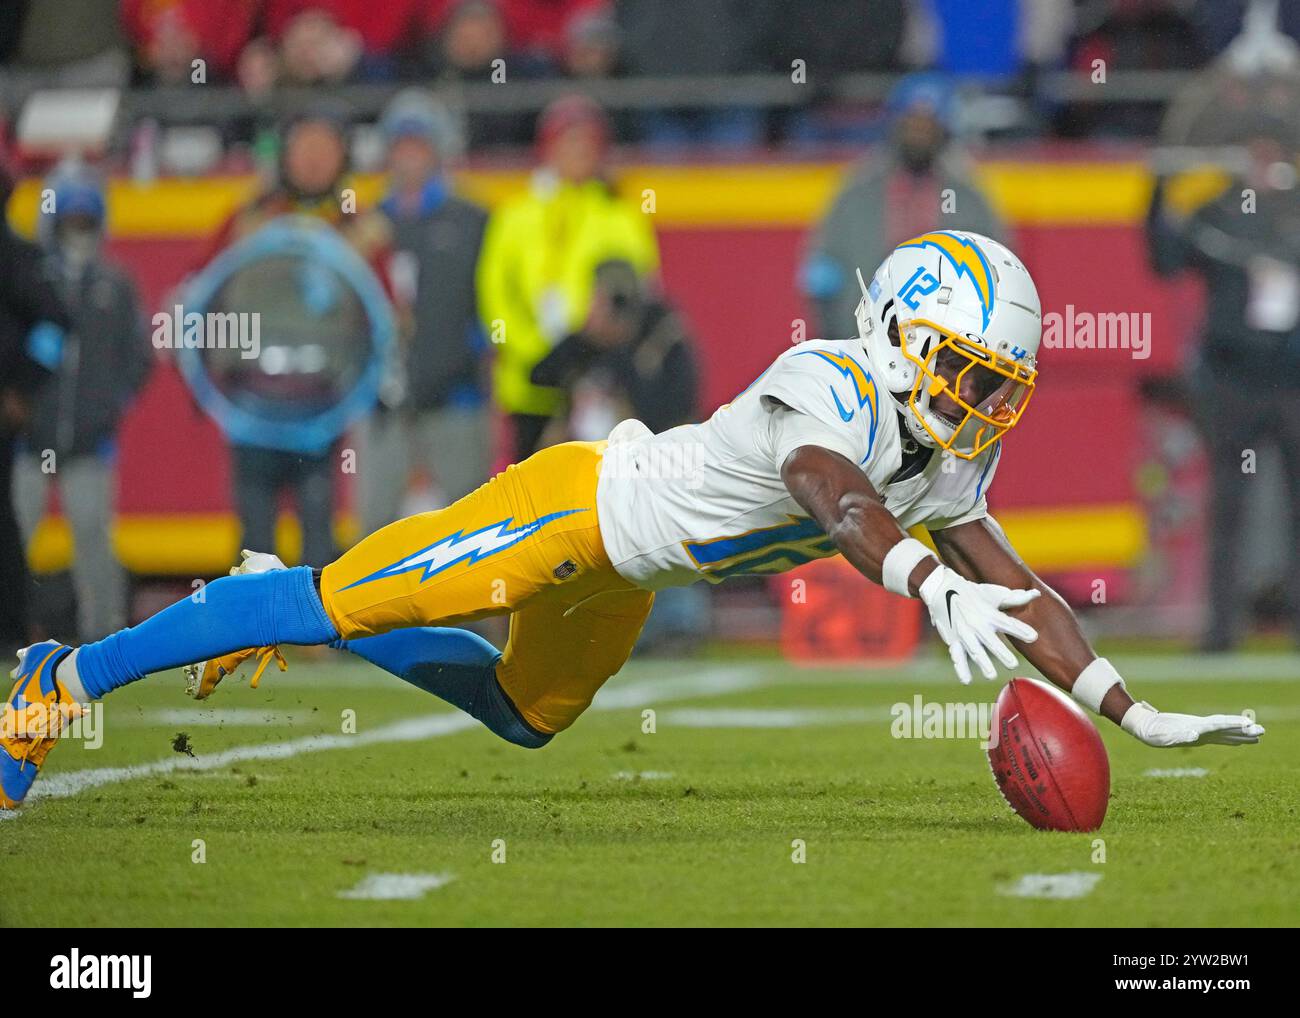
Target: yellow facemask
(1000, 386)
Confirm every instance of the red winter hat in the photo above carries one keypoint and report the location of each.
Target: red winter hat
(570, 111)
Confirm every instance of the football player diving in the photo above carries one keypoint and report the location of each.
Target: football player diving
(838, 447)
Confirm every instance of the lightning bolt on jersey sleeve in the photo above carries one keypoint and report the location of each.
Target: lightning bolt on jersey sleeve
(835, 396)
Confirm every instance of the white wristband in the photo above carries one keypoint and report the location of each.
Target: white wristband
(899, 562)
(1094, 682)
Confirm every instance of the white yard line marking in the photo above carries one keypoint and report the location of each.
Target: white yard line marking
(397, 886)
(770, 717)
(432, 726)
(642, 775)
(1175, 772)
(706, 682)
(1054, 886)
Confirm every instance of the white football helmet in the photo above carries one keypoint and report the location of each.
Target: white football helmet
(952, 322)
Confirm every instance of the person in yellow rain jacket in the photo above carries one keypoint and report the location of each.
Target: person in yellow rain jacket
(539, 258)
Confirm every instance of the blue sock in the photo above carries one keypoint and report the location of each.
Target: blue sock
(235, 612)
(456, 665)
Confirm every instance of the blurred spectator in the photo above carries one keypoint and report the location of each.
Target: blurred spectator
(1246, 381)
(631, 358)
(590, 48)
(330, 40)
(71, 438)
(540, 254)
(33, 322)
(313, 165)
(541, 27)
(169, 35)
(536, 31)
(261, 43)
(437, 428)
(1129, 35)
(471, 46)
(900, 192)
(471, 35)
(666, 38)
(316, 50)
(592, 51)
(52, 43)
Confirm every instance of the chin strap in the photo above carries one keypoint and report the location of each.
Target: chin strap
(910, 443)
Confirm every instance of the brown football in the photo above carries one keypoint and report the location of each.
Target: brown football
(1047, 758)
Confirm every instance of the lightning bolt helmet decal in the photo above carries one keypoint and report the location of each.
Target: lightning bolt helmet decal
(969, 261)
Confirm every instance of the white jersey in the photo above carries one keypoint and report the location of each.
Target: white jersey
(707, 500)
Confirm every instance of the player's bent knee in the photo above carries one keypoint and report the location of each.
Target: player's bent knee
(503, 717)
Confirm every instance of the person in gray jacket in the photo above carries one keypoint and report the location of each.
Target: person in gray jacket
(915, 183)
(71, 438)
(427, 443)
(1244, 381)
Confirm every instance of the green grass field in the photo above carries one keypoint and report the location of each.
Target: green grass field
(693, 824)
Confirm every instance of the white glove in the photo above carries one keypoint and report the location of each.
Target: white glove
(969, 618)
(1156, 728)
(257, 562)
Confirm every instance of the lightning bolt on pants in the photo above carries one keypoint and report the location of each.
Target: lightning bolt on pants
(526, 544)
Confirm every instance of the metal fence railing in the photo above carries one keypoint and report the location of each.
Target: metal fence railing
(190, 104)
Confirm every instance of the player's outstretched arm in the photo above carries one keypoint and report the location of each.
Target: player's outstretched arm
(968, 616)
(980, 551)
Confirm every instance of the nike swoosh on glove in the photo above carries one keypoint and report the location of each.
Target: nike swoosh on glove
(969, 618)
(1156, 728)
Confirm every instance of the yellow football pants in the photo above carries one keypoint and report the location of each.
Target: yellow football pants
(526, 544)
